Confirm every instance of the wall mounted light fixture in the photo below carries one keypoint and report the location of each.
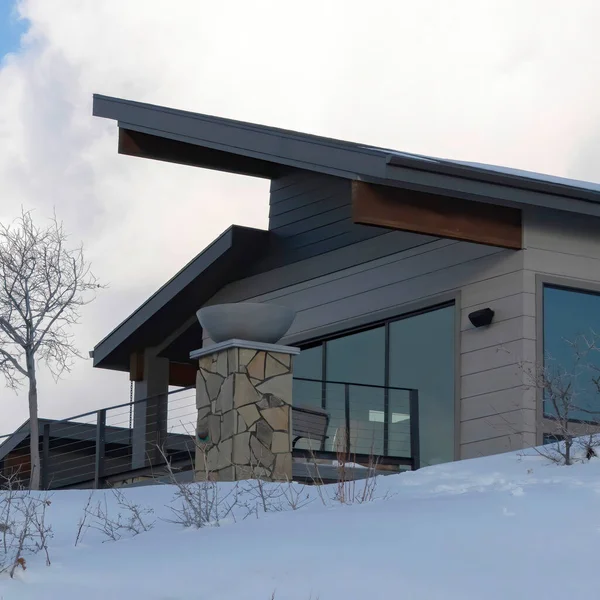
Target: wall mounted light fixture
(481, 318)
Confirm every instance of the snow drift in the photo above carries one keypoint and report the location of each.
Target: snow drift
(510, 526)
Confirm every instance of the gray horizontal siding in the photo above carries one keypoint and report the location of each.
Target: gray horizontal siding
(315, 270)
(310, 214)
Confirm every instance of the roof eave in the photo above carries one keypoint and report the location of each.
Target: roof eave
(271, 145)
(236, 239)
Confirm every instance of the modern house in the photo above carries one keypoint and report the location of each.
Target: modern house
(421, 287)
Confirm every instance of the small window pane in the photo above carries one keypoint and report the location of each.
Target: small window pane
(569, 317)
(308, 365)
(358, 358)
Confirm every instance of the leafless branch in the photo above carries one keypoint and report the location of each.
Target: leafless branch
(23, 527)
(82, 524)
(130, 518)
(44, 283)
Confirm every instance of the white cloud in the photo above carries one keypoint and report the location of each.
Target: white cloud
(508, 82)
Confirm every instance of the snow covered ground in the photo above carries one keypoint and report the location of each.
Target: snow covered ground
(505, 527)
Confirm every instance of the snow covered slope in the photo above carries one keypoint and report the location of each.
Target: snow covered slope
(504, 527)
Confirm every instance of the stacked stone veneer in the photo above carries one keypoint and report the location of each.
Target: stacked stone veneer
(243, 397)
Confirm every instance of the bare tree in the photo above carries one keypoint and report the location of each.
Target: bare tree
(566, 391)
(43, 285)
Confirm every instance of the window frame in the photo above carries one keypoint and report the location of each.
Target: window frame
(545, 425)
(386, 319)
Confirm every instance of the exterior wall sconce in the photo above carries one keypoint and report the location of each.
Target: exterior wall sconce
(481, 318)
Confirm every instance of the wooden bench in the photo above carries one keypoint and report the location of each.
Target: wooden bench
(310, 423)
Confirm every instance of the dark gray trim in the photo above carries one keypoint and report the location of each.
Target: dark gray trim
(539, 353)
(457, 373)
(493, 176)
(220, 263)
(12, 441)
(542, 280)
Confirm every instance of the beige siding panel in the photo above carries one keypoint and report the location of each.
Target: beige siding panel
(486, 290)
(565, 265)
(562, 232)
(497, 445)
(485, 405)
(510, 423)
(496, 356)
(491, 380)
(498, 334)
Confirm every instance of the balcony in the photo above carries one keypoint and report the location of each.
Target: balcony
(371, 427)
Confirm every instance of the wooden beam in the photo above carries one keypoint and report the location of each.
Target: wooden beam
(145, 145)
(136, 366)
(182, 375)
(440, 216)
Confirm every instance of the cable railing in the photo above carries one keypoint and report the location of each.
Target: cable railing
(91, 448)
(365, 422)
(330, 419)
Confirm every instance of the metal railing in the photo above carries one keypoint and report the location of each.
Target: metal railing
(92, 448)
(366, 422)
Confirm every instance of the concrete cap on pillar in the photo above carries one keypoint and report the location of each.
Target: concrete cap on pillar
(243, 344)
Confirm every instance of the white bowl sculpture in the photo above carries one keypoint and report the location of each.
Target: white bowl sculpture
(250, 321)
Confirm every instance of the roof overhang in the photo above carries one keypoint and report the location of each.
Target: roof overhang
(167, 134)
(173, 304)
(230, 145)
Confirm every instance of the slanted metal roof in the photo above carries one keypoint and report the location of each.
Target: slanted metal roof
(266, 151)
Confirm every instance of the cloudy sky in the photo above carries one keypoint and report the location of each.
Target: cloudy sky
(507, 82)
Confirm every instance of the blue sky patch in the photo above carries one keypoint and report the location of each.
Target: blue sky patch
(11, 27)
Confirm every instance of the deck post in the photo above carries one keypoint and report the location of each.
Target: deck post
(100, 449)
(45, 474)
(150, 411)
(415, 442)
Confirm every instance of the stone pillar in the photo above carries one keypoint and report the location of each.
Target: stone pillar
(150, 417)
(244, 399)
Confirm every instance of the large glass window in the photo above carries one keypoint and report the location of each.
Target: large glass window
(422, 357)
(416, 351)
(571, 321)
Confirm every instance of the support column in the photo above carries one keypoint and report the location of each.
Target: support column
(244, 400)
(150, 416)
